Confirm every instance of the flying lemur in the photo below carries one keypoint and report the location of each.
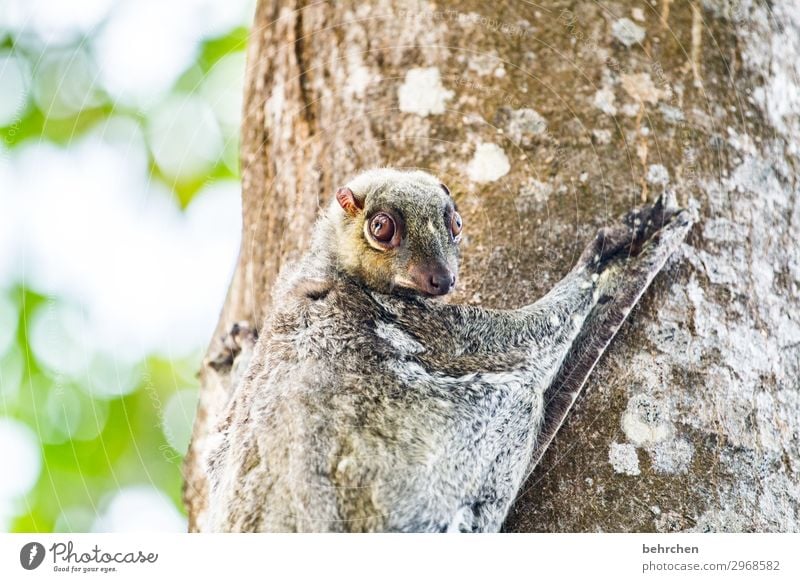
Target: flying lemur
(368, 405)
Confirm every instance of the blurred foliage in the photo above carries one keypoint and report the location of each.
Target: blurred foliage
(129, 448)
(120, 441)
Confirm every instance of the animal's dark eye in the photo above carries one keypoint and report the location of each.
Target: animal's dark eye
(382, 227)
(456, 225)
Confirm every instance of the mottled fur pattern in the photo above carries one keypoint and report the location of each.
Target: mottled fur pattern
(365, 408)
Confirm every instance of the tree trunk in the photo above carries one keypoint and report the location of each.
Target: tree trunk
(546, 121)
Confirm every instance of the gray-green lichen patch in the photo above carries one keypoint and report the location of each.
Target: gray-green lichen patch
(488, 164)
(423, 93)
(641, 88)
(657, 175)
(533, 195)
(605, 100)
(624, 459)
(627, 32)
(522, 126)
(646, 421)
(673, 456)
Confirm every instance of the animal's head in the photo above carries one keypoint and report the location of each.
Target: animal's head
(397, 230)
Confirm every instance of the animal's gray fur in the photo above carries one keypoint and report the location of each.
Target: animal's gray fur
(369, 408)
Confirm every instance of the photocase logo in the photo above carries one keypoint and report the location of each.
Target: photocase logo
(31, 555)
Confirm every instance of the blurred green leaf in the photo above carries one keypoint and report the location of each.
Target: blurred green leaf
(100, 445)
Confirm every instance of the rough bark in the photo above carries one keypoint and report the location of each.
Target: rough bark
(545, 122)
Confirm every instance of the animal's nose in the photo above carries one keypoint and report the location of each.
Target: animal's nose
(441, 282)
(436, 279)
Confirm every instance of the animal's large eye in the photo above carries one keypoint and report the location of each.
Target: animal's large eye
(382, 228)
(456, 225)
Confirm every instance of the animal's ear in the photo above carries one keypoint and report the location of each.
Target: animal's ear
(348, 201)
(446, 190)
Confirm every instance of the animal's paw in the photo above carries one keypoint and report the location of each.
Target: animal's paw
(657, 225)
(240, 338)
(660, 220)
